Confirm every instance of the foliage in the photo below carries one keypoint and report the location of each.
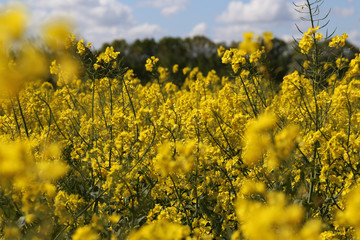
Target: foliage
(197, 51)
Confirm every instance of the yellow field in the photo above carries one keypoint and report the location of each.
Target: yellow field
(87, 152)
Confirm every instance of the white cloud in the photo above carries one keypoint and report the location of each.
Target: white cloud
(109, 33)
(171, 10)
(54, 3)
(168, 7)
(287, 37)
(199, 30)
(344, 12)
(145, 30)
(259, 11)
(354, 37)
(254, 16)
(97, 20)
(102, 11)
(234, 32)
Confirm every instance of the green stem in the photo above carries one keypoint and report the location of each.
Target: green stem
(22, 115)
(110, 123)
(16, 119)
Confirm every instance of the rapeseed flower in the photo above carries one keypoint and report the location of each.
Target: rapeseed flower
(13, 21)
(338, 41)
(150, 62)
(56, 33)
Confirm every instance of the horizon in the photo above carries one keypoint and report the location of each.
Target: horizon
(103, 21)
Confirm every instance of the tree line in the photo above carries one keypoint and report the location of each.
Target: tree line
(201, 52)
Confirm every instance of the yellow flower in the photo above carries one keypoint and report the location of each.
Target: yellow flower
(81, 47)
(306, 44)
(96, 66)
(15, 159)
(161, 230)
(12, 233)
(307, 40)
(51, 170)
(255, 56)
(248, 45)
(108, 55)
(312, 30)
(268, 37)
(13, 21)
(49, 189)
(70, 41)
(340, 62)
(163, 73)
(251, 187)
(343, 38)
(175, 68)
(186, 70)
(275, 218)
(257, 139)
(350, 216)
(114, 218)
(319, 36)
(150, 62)
(54, 68)
(306, 64)
(56, 33)
(168, 162)
(221, 51)
(338, 41)
(85, 232)
(327, 65)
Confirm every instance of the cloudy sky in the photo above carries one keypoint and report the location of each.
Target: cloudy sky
(100, 21)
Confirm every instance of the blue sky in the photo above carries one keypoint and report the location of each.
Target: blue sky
(100, 21)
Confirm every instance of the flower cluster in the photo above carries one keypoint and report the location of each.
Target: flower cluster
(338, 41)
(150, 62)
(307, 41)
